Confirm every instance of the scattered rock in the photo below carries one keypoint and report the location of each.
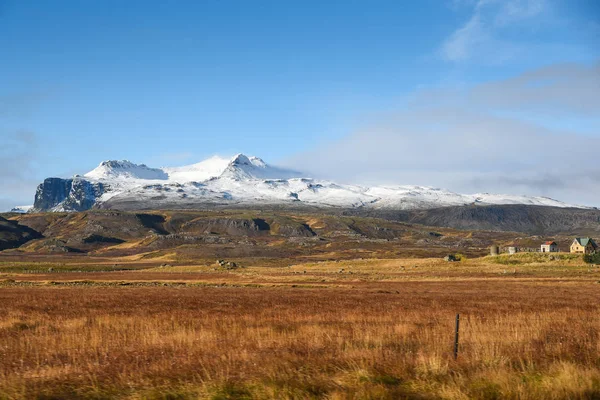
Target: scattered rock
(228, 264)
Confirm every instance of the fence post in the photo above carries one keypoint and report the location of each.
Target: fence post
(456, 336)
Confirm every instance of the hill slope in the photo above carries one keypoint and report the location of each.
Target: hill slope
(537, 220)
(12, 234)
(282, 234)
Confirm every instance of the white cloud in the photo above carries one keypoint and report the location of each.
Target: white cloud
(516, 10)
(557, 89)
(17, 163)
(565, 90)
(479, 35)
(20, 157)
(458, 47)
(457, 139)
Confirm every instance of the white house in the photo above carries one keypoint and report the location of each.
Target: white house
(549, 247)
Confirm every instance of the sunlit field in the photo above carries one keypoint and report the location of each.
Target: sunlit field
(374, 329)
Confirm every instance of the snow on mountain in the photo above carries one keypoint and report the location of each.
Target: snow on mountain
(487, 198)
(21, 209)
(242, 167)
(243, 180)
(209, 168)
(413, 197)
(109, 170)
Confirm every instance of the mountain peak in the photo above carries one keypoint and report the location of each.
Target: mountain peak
(242, 167)
(116, 163)
(21, 209)
(242, 159)
(238, 167)
(257, 161)
(111, 169)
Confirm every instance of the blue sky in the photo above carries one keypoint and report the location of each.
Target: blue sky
(173, 82)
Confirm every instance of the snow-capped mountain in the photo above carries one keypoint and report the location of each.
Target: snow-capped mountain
(240, 180)
(125, 170)
(21, 209)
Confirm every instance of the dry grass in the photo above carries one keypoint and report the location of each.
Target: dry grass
(378, 336)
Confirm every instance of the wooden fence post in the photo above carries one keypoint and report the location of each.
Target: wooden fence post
(456, 336)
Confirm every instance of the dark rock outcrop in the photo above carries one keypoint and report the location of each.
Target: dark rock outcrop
(228, 226)
(94, 238)
(153, 221)
(76, 194)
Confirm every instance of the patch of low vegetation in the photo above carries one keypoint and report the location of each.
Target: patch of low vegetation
(531, 258)
(44, 267)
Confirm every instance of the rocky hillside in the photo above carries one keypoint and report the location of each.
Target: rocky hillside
(536, 220)
(12, 234)
(210, 235)
(278, 235)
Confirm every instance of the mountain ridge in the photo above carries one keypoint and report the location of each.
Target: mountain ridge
(246, 181)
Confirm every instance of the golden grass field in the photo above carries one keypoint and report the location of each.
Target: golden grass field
(352, 329)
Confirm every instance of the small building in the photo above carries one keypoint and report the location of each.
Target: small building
(513, 250)
(584, 246)
(549, 247)
(494, 250)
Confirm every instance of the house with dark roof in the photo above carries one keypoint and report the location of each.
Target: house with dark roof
(584, 246)
(549, 247)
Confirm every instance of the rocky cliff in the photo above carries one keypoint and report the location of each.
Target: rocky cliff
(75, 194)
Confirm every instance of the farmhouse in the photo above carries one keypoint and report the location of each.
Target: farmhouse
(584, 246)
(549, 247)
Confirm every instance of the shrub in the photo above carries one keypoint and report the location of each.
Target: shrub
(460, 257)
(592, 258)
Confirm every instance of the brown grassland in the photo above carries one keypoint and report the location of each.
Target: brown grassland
(345, 329)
